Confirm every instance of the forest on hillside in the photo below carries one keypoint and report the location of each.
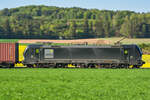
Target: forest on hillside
(69, 23)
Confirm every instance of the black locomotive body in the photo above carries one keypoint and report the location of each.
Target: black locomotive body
(121, 56)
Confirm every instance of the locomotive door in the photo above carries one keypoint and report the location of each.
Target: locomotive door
(126, 54)
(37, 54)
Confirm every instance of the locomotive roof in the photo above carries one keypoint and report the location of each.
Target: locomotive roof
(79, 46)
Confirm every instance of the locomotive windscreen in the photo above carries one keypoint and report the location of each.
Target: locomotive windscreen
(139, 50)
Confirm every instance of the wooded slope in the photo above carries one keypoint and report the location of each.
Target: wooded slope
(54, 22)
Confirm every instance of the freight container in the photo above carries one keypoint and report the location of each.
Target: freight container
(8, 54)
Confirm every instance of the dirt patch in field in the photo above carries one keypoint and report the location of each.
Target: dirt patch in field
(78, 41)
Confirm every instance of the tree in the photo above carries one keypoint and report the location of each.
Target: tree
(134, 25)
(6, 27)
(126, 28)
(116, 24)
(72, 30)
(1, 30)
(86, 26)
(40, 21)
(5, 12)
(99, 29)
(91, 32)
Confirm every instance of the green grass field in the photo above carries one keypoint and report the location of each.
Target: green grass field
(8, 40)
(74, 84)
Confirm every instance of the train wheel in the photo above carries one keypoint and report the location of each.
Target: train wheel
(30, 66)
(91, 66)
(59, 65)
(11, 65)
(135, 66)
(113, 67)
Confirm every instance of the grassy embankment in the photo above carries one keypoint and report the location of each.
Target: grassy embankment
(74, 84)
(8, 40)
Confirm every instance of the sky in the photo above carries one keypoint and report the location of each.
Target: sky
(132, 5)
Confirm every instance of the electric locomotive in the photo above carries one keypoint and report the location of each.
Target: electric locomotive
(83, 56)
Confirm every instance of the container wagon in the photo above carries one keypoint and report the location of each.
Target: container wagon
(8, 54)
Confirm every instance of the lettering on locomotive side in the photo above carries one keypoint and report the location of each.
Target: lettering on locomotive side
(48, 53)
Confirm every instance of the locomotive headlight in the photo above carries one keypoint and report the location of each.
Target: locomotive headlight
(126, 52)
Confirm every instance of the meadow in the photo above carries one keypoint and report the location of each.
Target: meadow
(74, 84)
(9, 40)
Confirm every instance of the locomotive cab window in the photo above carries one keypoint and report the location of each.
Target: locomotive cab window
(26, 52)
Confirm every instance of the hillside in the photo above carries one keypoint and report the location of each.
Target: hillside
(53, 22)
